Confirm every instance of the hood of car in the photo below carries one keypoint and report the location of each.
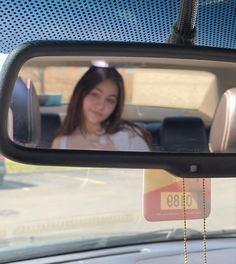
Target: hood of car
(127, 21)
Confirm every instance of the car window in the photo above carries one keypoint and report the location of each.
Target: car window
(151, 94)
(140, 84)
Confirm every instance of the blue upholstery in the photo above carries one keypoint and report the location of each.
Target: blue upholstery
(183, 134)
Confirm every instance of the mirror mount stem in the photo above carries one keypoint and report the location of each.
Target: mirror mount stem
(184, 30)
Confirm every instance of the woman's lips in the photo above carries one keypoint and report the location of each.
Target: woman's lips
(97, 113)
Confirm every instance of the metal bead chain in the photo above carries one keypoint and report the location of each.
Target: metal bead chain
(185, 225)
(204, 221)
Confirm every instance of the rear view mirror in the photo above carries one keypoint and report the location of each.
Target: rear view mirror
(135, 105)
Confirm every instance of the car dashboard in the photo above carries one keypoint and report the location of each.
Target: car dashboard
(218, 251)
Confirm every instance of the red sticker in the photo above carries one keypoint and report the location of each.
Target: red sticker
(164, 198)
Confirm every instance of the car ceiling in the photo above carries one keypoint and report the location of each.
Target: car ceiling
(112, 20)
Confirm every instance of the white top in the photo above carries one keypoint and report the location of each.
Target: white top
(123, 140)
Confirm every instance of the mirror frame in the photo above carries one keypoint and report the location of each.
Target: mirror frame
(190, 165)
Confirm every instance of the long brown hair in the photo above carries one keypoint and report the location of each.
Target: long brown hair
(75, 118)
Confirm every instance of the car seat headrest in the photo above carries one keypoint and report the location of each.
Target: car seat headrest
(183, 134)
(10, 124)
(223, 129)
(26, 113)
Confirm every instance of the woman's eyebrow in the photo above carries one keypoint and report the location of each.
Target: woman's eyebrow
(99, 90)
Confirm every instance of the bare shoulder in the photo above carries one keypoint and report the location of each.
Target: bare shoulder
(56, 143)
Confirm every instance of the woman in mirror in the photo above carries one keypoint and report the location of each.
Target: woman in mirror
(93, 120)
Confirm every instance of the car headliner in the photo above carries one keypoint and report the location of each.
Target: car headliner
(116, 20)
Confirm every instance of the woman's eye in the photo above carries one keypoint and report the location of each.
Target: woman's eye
(93, 94)
(111, 101)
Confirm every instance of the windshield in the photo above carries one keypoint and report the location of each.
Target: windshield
(2, 59)
(95, 208)
(49, 211)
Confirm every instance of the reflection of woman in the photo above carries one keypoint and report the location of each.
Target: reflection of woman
(93, 118)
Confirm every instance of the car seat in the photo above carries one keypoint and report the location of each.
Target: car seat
(183, 134)
(25, 113)
(154, 129)
(50, 122)
(223, 129)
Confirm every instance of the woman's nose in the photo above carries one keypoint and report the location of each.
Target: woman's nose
(101, 103)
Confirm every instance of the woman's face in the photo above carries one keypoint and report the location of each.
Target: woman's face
(99, 104)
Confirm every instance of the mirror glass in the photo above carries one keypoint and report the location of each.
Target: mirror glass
(125, 104)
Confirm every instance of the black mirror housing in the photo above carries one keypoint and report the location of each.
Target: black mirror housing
(181, 164)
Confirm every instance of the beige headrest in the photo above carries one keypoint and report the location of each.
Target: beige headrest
(10, 124)
(223, 129)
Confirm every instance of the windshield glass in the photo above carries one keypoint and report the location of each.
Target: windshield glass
(54, 210)
(2, 59)
(49, 205)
